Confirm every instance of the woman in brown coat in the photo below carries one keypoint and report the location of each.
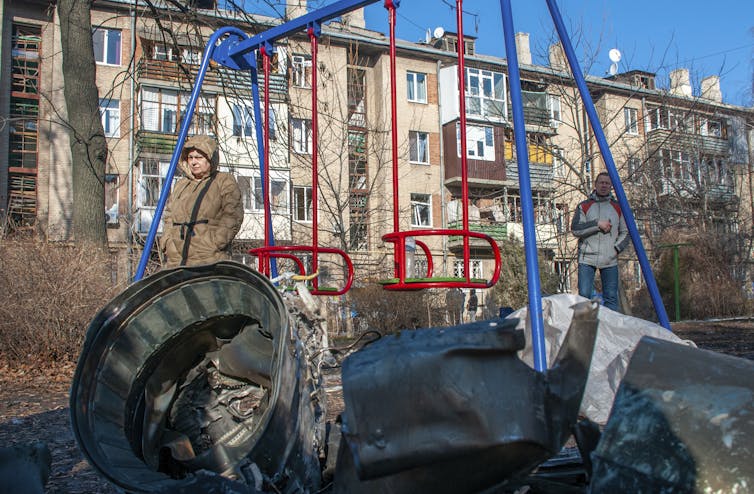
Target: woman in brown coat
(204, 211)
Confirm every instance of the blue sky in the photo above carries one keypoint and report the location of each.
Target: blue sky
(707, 37)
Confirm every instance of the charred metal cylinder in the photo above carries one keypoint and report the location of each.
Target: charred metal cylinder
(196, 369)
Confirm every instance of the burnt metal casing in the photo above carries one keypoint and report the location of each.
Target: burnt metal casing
(139, 349)
(449, 410)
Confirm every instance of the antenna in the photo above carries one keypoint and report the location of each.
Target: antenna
(615, 56)
(439, 32)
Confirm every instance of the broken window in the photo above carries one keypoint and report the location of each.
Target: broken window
(421, 210)
(302, 71)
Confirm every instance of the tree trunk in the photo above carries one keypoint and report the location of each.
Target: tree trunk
(87, 137)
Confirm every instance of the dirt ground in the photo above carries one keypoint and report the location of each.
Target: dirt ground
(34, 404)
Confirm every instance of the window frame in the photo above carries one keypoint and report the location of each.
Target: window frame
(473, 141)
(301, 71)
(555, 109)
(419, 202)
(413, 85)
(415, 154)
(488, 96)
(631, 120)
(107, 45)
(299, 127)
(109, 110)
(307, 198)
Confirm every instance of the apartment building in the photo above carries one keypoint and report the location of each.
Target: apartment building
(689, 153)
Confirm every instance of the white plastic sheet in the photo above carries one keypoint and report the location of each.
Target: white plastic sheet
(617, 336)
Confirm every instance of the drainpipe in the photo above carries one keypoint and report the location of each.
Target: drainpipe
(443, 213)
(132, 107)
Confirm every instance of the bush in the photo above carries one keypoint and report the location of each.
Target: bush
(389, 312)
(512, 288)
(50, 293)
(706, 283)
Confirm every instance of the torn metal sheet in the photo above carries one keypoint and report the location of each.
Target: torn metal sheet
(455, 410)
(682, 421)
(193, 370)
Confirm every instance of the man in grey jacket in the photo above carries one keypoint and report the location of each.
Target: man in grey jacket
(601, 229)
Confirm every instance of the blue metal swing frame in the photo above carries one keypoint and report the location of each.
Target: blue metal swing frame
(232, 48)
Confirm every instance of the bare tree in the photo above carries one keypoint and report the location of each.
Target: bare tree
(86, 135)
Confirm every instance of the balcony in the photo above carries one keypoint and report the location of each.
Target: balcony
(677, 139)
(155, 143)
(185, 74)
(480, 173)
(542, 176)
(547, 234)
(536, 112)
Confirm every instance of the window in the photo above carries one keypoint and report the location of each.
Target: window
(242, 120)
(631, 118)
(151, 181)
(302, 71)
(553, 106)
(418, 147)
(712, 128)
(421, 210)
(416, 87)
(160, 111)
(109, 109)
(302, 203)
(480, 142)
(677, 165)
(558, 167)
(191, 57)
(474, 264)
(162, 52)
(106, 46)
(111, 198)
(253, 199)
(633, 164)
(485, 94)
(278, 195)
(539, 149)
(302, 135)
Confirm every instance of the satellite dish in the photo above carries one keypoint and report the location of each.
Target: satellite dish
(613, 68)
(614, 55)
(438, 32)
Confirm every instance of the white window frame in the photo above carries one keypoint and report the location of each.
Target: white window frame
(145, 203)
(301, 135)
(416, 87)
(302, 193)
(191, 57)
(485, 98)
(162, 52)
(480, 142)
(554, 108)
(418, 147)
(108, 50)
(109, 110)
(301, 75)
(421, 203)
(631, 120)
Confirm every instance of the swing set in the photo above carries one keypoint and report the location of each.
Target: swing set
(233, 49)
